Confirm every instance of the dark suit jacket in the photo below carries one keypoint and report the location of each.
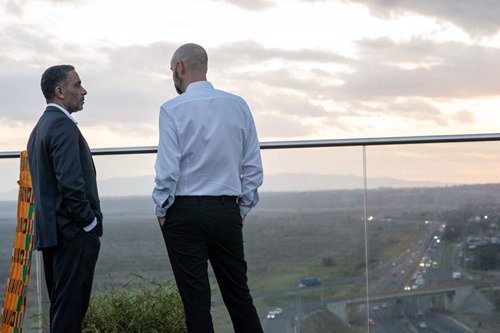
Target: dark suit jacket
(64, 180)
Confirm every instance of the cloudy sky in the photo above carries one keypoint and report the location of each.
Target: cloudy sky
(309, 69)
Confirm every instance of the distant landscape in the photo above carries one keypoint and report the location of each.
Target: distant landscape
(291, 182)
(290, 235)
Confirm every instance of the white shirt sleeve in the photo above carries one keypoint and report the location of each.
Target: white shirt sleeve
(251, 173)
(166, 166)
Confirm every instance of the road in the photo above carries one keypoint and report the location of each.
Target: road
(408, 315)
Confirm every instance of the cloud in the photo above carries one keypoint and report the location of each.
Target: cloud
(303, 90)
(14, 7)
(20, 92)
(441, 70)
(412, 109)
(254, 5)
(464, 117)
(277, 126)
(387, 78)
(250, 52)
(129, 84)
(123, 83)
(479, 17)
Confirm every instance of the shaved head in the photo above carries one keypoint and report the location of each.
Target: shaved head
(193, 55)
(189, 64)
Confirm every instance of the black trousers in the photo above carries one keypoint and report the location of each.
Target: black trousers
(69, 272)
(198, 229)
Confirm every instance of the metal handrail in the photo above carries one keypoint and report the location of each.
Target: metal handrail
(311, 143)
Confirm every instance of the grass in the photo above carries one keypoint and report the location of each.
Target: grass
(142, 306)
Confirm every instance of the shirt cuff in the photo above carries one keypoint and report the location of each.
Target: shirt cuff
(244, 210)
(91, 226)
(160, 212)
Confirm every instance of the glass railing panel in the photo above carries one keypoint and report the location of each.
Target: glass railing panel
(433, 246)
(9, 175)
(304, 241)
(132, 245)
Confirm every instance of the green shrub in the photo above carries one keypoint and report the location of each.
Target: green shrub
(148, 307)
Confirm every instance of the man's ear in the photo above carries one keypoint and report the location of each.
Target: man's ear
(59, 92)
(181, 68)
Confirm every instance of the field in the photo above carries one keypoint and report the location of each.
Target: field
(289, 236)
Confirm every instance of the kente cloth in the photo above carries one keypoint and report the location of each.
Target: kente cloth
(14, 304)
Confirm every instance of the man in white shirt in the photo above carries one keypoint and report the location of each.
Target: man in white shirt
(208, 170)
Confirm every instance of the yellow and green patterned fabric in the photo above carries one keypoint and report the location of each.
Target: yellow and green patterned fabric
(14, 303)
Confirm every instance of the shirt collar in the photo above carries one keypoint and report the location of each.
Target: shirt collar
(64, 111)
(199, 85)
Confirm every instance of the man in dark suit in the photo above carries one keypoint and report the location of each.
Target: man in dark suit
(68, 218)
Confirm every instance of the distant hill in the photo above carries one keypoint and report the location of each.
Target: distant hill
(313, 182)
(272, 183)
(143, 185)
(9, 195)
(483, 198)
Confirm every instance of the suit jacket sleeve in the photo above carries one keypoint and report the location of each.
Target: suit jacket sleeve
(65, 152)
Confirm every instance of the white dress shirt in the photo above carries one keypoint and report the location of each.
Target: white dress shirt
(208, 146)
(92, 225)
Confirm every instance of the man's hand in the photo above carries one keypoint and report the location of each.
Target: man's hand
(161, 220)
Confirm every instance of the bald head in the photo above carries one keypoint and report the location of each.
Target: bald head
(193, 55)
(189, 64)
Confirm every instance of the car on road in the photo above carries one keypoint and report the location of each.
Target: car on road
(309, 282)
(422, 324)
(376, 307)
(384, 305)
(273, 313)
